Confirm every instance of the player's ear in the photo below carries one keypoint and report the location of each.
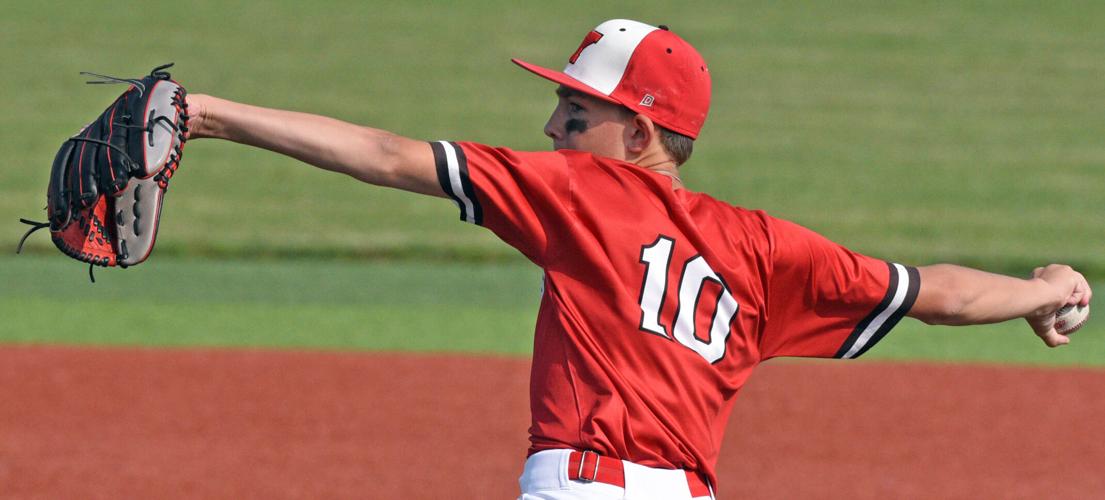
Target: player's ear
(639, 134)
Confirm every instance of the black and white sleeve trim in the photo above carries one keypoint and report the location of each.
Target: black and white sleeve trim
(905, 282)
(452, 173)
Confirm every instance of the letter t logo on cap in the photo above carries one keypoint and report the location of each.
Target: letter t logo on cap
(591, 39)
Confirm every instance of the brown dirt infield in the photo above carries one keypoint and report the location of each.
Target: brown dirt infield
(135, 423)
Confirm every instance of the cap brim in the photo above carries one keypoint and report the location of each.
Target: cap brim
(563, 79)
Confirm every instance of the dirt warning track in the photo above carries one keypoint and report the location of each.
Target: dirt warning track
(137, 423)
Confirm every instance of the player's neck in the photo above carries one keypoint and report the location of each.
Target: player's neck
(676, 182)
(663, 165)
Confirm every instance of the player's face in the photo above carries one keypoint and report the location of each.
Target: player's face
(584, 123)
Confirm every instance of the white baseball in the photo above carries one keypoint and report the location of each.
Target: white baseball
(1068, 319)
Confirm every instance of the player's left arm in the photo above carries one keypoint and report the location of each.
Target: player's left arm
(955, 295)
(371, 155)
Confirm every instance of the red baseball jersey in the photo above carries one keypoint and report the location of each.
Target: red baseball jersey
(658, 303)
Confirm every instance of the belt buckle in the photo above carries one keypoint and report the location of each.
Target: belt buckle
(594, 473)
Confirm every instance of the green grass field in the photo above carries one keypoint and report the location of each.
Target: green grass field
(410, 306)
(969, 132)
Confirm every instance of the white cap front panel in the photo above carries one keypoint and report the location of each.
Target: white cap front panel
(601, 63)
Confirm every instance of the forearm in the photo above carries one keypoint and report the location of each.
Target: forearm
(954, 295)
(371, 155)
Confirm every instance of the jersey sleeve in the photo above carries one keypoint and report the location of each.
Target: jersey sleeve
(519, 196)
(826, 301)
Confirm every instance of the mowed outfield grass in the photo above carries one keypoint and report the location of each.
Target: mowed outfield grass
(968, 132)
(405, 306)
(916, 131)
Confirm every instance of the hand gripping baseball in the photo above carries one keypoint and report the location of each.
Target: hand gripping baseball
(1069, 287)
(107, 182)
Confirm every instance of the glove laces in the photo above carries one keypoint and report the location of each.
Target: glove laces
(158, 72)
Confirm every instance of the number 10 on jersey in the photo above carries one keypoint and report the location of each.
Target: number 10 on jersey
(692, 280)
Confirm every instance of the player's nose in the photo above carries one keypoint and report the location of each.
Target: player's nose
(552, 130)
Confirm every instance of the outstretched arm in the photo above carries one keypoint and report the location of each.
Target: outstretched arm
(954, 295)
(370, 155)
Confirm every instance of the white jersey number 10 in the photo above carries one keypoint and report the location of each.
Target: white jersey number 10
(696, 272)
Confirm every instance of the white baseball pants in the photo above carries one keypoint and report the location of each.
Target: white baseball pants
(545, 477)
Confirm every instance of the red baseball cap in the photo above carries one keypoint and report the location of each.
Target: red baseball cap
(647, 69)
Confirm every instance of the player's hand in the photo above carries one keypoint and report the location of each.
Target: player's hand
(1064, 286)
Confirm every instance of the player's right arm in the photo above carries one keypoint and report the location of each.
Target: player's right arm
(371, 155)
(956, 295)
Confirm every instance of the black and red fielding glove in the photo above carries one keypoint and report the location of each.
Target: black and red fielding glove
(108, 182)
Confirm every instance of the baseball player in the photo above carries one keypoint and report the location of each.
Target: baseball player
(658, 301)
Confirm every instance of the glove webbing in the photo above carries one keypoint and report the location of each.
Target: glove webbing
(35, 226)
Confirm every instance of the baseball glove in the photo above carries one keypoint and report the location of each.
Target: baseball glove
(108, 182)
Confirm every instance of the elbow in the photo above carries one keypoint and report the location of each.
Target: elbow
(389, 160)
(942, 309)
(941, 299)
(378, 158)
